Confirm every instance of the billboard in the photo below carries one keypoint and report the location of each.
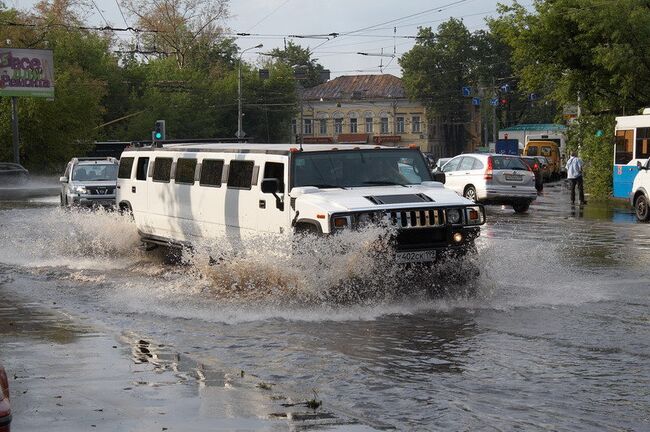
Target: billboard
(26, 72)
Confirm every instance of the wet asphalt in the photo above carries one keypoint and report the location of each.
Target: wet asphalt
(98, 335)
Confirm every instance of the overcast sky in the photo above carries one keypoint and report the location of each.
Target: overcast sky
(373, 26)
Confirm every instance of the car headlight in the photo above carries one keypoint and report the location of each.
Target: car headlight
(453, 216)
(474, 215)
(79, 190)
(370, 218)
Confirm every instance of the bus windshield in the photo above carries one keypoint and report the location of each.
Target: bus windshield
(372, 167)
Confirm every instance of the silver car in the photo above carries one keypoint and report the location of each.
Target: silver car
(89, 182)
(492, 179)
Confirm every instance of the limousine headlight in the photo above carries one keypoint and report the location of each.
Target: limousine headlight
(453, 216)
(340, 222)
(474, 215)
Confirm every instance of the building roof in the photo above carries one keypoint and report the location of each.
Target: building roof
(358, 87)
(536, 127)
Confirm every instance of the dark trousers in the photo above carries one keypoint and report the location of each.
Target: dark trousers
(581, 193)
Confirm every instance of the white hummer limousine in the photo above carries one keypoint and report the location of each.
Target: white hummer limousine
(180, 193)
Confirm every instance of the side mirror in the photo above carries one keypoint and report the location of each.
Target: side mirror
(439, 176)
(63, 179)
(270, 185)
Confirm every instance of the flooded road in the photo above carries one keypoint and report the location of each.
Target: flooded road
(99, 335)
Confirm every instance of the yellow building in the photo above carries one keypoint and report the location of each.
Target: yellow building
(361, 109)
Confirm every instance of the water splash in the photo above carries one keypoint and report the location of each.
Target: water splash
(76, 239)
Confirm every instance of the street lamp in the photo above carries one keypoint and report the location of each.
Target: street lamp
(240, 132)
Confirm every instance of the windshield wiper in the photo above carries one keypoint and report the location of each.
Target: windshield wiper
(386, 183)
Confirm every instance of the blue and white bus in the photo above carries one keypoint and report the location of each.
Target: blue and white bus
(632, 145)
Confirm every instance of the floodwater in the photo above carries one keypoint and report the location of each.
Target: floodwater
(554, 334)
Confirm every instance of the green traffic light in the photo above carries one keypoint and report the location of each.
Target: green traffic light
(158, 135)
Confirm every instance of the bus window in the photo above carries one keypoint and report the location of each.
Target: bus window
(642, 138)
(532, 151)
(623, 146)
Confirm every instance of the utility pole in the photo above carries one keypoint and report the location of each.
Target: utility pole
(494, 113)
(240, 132)
(14, 128)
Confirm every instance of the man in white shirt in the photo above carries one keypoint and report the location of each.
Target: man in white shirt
(574, 175)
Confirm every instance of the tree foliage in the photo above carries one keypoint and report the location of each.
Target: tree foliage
(300, 59)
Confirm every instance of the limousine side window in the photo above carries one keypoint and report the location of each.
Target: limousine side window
(275, 170)
(240, 175)
(185, 169)
(126, 164)
(162, 168)
(141, 170)
(211, 172)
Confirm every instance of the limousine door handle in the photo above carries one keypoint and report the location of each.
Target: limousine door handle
(262, 204)
(133, 189)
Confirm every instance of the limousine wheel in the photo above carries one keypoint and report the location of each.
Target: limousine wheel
(642, 209)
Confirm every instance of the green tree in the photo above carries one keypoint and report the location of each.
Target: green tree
(583, 52)
(300, 59)
(53, 131)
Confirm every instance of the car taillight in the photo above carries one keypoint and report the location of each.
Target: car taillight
(535, 167)
(488, 170)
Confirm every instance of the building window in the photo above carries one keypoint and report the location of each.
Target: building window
(353, 125)
(338, 126)
(384, 125)
(294, 128)
(368, 124)
(400, 125)
(323, 127)
(162, 168)
(240, 174)
(307, 129)
(211, 172)
(415, 124)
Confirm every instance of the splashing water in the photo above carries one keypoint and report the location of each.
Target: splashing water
(77, 239)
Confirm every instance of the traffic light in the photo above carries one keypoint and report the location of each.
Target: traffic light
(158, 133)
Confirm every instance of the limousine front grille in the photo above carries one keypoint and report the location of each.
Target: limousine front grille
(417, 218)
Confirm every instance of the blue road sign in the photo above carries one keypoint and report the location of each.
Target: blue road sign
(467, 91)
(494, 101)
(476, 101)
(505, 88)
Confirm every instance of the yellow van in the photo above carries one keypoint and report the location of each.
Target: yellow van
(550, 150)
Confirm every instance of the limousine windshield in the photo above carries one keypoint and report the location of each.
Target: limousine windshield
(341, 169)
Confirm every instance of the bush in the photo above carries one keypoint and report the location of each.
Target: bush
(593, 138)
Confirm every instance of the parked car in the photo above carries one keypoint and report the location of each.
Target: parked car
(5, 406)
(535, 165)
(89, 182)
(492, 179)
(13, 174)
(551, 151)
(545, 167)
(640, 196)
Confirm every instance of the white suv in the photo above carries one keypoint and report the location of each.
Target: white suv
(89, 182)
(492, 179)
(640, 196)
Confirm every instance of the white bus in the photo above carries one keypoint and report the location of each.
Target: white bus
(183, 192)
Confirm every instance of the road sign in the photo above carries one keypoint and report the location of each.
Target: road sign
(467, 91)
(476, 101)
(494, 101)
